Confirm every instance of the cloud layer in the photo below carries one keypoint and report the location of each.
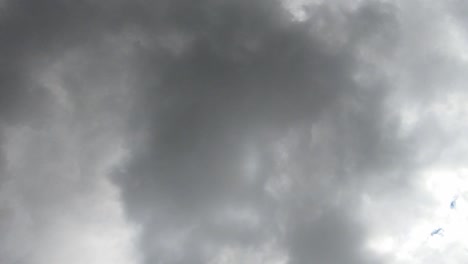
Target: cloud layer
(232, 131)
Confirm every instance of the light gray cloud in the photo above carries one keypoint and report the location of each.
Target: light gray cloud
(56, 117)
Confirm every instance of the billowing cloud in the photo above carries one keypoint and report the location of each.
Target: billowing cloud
(232, 131)
(257, 131)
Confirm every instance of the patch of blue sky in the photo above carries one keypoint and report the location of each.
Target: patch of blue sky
(438, 231)
(453, 203)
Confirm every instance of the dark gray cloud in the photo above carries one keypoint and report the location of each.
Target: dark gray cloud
(245, 78)
(234, 131)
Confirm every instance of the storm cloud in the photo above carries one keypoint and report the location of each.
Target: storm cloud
(219, 131)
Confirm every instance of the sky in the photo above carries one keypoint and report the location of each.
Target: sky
(233, 131)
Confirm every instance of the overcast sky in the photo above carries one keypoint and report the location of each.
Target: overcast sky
(233, 131)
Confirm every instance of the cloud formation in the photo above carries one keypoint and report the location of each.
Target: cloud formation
(253, 132)
(231, 131)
